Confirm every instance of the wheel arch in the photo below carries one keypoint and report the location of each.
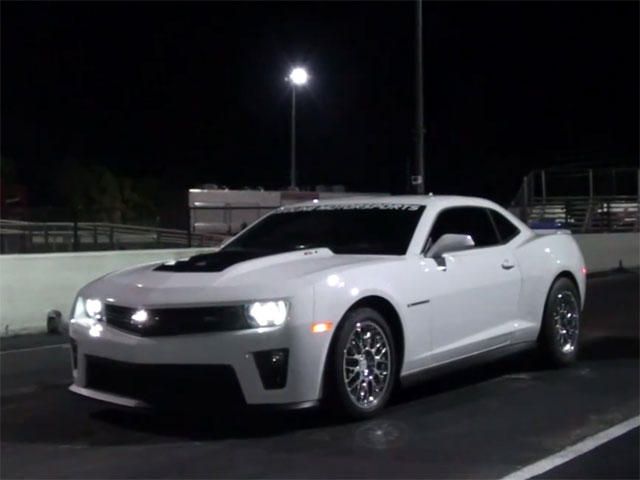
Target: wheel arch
(554, 353)
(562, 274)
(569, 276)
(388, 311)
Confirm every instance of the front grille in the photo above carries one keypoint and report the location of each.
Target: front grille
(177, 321)
(164, 384)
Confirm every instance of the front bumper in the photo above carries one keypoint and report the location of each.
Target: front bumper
(129, 370)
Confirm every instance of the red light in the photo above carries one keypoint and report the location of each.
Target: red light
(584, 270)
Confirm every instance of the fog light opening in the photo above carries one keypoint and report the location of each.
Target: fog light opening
(272, 367)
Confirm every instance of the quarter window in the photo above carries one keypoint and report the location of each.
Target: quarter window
(506, 229)
(472, 221)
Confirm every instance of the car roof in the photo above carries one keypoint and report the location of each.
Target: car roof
(442, 200)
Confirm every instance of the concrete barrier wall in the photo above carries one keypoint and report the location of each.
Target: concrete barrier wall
(33, 284)
(604, 251)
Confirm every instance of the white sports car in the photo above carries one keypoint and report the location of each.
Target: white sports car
(339, 300)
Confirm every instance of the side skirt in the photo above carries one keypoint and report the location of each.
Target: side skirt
(460, 363)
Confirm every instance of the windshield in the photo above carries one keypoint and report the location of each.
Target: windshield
(378, 229)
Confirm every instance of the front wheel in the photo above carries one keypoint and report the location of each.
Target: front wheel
(560, 331)
(363, 364)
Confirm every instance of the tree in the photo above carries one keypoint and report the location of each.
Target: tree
(98, 195)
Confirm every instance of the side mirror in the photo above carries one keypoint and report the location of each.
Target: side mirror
(449, 243)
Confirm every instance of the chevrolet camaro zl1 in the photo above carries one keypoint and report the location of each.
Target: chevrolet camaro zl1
(337, 300)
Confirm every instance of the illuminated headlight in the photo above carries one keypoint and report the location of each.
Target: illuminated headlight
(267, 314)
(141, 316)
(93, 307)
(87, 311)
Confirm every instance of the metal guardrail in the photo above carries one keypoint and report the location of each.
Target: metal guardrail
(40, 237)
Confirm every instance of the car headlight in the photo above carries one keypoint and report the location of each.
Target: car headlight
(87, 310)
(267, 314)
(93, 307)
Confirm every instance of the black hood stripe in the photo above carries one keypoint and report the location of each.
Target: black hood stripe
(212, 262)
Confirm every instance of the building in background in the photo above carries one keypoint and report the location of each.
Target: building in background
(214, 210)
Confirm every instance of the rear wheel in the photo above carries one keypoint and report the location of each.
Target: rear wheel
(363, 364)
(560, 331)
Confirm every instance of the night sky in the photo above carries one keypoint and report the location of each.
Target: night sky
(193, 93)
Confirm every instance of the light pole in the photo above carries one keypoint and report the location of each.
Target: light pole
(297, 78)
(419, 180)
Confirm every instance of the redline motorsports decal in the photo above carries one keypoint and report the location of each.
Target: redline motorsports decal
(407, 207)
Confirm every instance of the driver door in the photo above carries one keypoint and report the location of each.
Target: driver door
(473, 293)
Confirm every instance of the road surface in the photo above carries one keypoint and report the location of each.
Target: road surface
(482, 422)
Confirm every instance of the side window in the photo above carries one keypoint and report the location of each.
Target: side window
(472, 221)
(506, 229)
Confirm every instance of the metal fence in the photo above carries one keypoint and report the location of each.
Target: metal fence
(42, 237)
(587, 200)
(41, 230)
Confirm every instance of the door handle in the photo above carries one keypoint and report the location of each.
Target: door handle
(507, 265)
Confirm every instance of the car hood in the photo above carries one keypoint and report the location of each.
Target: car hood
(269, 276)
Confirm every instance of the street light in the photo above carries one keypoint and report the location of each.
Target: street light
(418, 180)
(298, 77)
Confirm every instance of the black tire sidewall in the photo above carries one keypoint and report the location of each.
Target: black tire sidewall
(338, 389)
(547, 341)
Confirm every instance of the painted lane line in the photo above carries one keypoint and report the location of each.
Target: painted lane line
(574, 451)
(31, 349)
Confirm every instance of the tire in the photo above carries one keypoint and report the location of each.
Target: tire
(558, 341)
(363, 344)
(54, 322)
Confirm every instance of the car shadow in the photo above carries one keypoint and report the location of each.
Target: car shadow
(60, 418)
(215, 423)
(610, 348)
(247, 423)
(592, 350)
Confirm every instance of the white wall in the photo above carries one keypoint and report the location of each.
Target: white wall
(33, 284)
(604, 251)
